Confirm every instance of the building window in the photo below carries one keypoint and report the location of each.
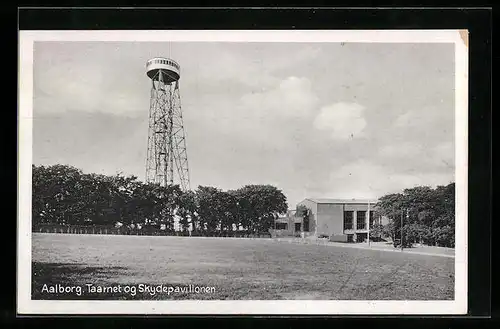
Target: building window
(281, 226)
(348, 220)
(361, 220)
(297, 227)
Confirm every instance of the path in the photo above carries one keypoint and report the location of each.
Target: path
(384, 246)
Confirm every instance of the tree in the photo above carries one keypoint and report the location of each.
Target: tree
(208, 208)
(190, 203)
(392, 205)
(98, 206)
(165, 204)
(377, 231)
(444, 236)
(259, 205)
(56, 194)
(183, 214)
(303, 212)
(65, 195)
(122, 194)
(142, 205)
(226, 208)
(187, 211)
(413, 232)
(429, 214)
(243, 209)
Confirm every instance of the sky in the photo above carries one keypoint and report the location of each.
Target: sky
(316, 120)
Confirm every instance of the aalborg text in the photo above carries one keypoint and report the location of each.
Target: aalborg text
(131, 290)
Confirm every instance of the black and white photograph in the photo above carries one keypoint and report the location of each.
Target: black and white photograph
(226, 172)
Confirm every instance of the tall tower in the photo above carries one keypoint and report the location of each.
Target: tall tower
(166, 162)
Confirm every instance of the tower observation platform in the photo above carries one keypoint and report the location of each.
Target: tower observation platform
(170, 70)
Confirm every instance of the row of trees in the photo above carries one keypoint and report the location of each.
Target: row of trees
(428, 215)
(64, 195)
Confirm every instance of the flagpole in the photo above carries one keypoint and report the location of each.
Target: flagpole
(401, 229)
(369, 244)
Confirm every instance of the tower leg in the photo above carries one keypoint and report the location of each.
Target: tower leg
(166, 162)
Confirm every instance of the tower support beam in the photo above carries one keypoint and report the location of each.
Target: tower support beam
(166, 162)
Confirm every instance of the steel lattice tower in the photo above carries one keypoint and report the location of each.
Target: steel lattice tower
(167, 162)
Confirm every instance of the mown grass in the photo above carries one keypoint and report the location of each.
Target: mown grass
(237, 268)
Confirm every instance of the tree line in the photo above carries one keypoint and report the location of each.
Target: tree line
(422, 214)
(64, 195)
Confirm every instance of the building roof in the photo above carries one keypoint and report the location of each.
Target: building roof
(343, 201)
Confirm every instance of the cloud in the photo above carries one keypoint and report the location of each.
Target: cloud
(423, 158)
(444, 153)
(269, 119)
(406, 119)
(357, 180)
(434, 157)
(342, 120)
(426, 117)
(402, 150)
(253, 65)
(88, 88)
(366, 179)
(422, 179)
(227, 67)
(95, 142)
(289, 56)
(292, 98)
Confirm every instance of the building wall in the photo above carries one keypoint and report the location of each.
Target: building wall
(289, 222)
(358, 207)
(290, 219)
(330, 219)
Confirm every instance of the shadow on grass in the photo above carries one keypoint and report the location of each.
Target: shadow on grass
(66, 281)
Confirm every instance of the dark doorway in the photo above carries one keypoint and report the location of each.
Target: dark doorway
(297, 227)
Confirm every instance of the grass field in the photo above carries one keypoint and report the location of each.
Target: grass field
(236, 268)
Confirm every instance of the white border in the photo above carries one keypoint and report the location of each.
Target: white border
(28, 306)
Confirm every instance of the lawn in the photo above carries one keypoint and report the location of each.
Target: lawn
(236, 268)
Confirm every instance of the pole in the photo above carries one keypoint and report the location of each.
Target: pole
(369, 223)
(401, 229)
(407, 215)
